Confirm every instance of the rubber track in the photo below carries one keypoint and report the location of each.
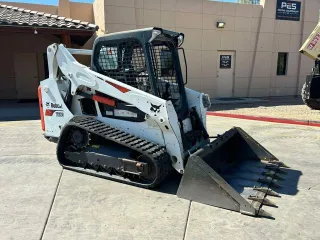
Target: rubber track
(311, 103)
(156, 153)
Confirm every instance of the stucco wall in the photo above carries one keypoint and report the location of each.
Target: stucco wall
(251, 31)
(282, 36)
(99, 15)
(82, 11)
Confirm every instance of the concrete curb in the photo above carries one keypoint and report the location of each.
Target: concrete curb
(266, 119)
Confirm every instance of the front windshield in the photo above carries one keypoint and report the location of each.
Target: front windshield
(110, 58)
(165, 70)
(125, 61)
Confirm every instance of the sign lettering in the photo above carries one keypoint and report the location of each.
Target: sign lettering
(314, 41)
(56, 105)
(225, 61)
(288, 10)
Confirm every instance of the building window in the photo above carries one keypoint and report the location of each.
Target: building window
(282, 64)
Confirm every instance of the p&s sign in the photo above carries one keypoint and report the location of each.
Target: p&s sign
(288, 10)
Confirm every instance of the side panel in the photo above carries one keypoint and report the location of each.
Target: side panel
(194, 99)
(56, 113)
(173, 139)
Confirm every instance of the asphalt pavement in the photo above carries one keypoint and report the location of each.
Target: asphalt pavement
(40, 200)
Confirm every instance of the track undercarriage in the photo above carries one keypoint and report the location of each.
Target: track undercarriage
(89, 146)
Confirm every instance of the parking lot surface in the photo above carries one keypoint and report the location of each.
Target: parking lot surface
(39, 200)
(281, 107)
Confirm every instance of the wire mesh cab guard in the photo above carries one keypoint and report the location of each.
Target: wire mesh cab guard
(127, 62)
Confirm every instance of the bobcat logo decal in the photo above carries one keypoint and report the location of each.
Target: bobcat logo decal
(155, 109)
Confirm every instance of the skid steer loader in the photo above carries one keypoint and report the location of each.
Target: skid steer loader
(131, 119)
(310, 92)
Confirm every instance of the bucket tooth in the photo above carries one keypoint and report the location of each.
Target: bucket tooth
(272, 174)
(267, 191)
(276, 169)
(281, 171)
(263, 201)
(277, 176)
(278, 163)
(269, 181)
(269, 173)
(263, 213)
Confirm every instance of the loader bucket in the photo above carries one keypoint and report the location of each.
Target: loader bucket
(233, 172)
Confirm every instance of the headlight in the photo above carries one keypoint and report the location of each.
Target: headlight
(155, 33)
(206, 101)
(180, 39)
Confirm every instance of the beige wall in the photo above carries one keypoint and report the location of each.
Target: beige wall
(64, 8)
(11, 44)
(197, 20)
(282, 36)
(82, 11)
(99, 15)
(251, 31)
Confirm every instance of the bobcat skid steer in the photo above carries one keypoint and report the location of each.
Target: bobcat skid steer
(130, 118)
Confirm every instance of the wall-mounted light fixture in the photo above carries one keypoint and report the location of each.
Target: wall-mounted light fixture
(220, 24)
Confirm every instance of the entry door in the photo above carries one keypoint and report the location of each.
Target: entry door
(225, 73)
(26, 74)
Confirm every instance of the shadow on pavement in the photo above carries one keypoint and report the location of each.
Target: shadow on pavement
(19, 111)
(171, 185)
(289, 185)
(286, 186)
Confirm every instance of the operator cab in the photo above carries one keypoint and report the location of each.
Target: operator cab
(146, 59)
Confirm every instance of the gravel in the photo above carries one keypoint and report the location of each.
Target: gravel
(286, 108)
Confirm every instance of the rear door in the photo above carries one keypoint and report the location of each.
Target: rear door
(26, 75)
(225, 73)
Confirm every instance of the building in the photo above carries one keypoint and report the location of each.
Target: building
(255, 54)
(25, 34)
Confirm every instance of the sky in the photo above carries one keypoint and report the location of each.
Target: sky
(47, 2)
(55, 2)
